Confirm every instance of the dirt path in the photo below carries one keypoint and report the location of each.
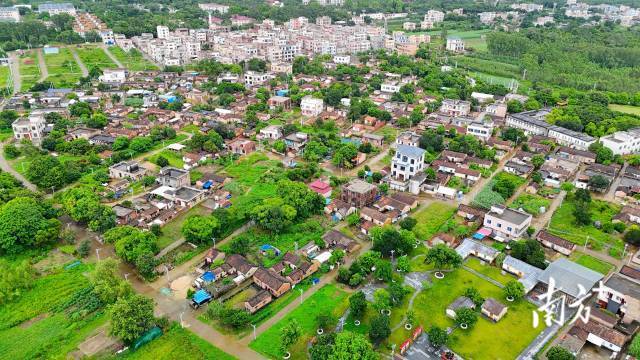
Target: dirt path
(4, 164)
(110, 55)
(44, 72)
(14, 68)
(83, 68)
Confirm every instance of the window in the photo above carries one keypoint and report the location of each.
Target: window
(499, 225)
(488, 221)
(509, 228)
(413, 161)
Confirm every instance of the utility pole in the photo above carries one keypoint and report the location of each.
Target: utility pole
(254, 331)
(98, 253)
(301, 291)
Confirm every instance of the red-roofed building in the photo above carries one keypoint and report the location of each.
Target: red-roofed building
(321, 188)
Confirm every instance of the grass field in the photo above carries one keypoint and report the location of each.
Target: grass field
(628, 109)
(591, 262)
(489, 271)
(175, 159)
(29, 70)
(132, 60)
(327, 300)
(563, 224)
(63, 69)
(33, 325)
(177, 343)
(93, 56)
(486, 339)
(431, 218)
(5, 72)
(530, 203)
(172, 230)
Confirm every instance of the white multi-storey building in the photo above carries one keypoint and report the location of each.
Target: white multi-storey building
(311, 106)
(57, 8)
(222, 9)
(455, 44)
(454, 107)
(407, 162)
(162, 32)
(253, 78)
(434, 16)
(9, 14)
(533, 123)
(29, 128)
(481, 130)
(390, 86)
(623, 142)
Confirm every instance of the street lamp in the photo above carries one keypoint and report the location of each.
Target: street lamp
(301, 291)
(214, 242)
(254, 331)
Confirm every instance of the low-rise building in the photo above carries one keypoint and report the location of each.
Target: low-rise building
(11, 14)
(173, 177)
(359, 193)
(311, 106)
(493, 309)
(454, 107)
(455, 44)
(127, 170)
(242, 147)
(113, 76)
(29, 128)
(623, 142)
(556, 243)
(507, 224)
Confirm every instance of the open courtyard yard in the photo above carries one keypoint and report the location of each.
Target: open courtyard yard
(330, 299)
(591, 262)
(563, 223)
(530, 203)
(132, 60)
(29, 70)
(94, 56)
(63, 69)
(486, 339)
(431, 218)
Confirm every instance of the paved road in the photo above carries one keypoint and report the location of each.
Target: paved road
(83, 68)
(610, 195)
(4, 164)
(44, 72)
(110, 55)
(14, 63)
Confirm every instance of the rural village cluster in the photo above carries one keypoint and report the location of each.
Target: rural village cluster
(320, 179)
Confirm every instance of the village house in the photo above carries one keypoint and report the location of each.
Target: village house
(621, 296)
(283, 102)
(461, 302)
(338, 240)
(271, 132)
(258, 301)
(479, 250)
(173, 177)
(455, 107)
(311, 106)
(127, 170)
(505, 223)
(321, 187)
(493, 309)
(242, 147)
(556, 243)
(359, 193)
(271, 281)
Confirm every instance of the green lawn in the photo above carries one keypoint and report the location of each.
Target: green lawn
(29, 70)
(162, 144)
(327, 300)
(530, 203)
(34, 325)
(592, 263)
(431, 218)
(5, 72)
(493, 79)
(177, 343)
(389, 133)
(172, 230)
(628, 109)
(93, 56)
(175, 158)
(63, 69)
(489, 271)
(132, 60)
(563, 224)
(486, 340)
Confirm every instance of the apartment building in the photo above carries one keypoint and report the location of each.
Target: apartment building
(434, 16)
(127, 170)
(10, 14)
(623, 142)
(57, 8)
(254, 78)
(533, 123)
(211, 7)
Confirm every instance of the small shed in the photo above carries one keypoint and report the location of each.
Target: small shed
(459, 303)
(493, 309)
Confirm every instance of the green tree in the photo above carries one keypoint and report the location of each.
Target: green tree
(107, 282)
(443, 256)
(632, 236)
(14, 279)
(357, 304)
(24, 225)
(560, 353)
(162, 161)
(466, 316)
(384, 270)
(438, 337)
(473, 294)
(514, 289)
(352, 346)
(290, 334)
(379, 329)
(529, 251)
(131, 317)
(200, 229)
(273, 214)
(408, 223)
